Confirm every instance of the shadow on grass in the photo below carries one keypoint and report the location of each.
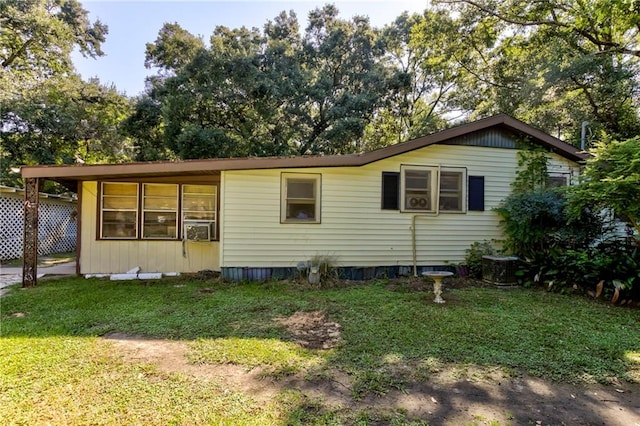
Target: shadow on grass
(401, 358)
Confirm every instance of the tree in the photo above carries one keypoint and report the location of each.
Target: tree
(144, 127)
(63, 121)
(266, 93)
(611, 26)
(610, 181)
(344, 83)
(48, 114)
(173, 49)
(36, 40)
(555, 64)
(223, 102)
(416, 49)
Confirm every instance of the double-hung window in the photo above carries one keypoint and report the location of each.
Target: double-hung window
(429, 189)
(452, 189)
(300, 198)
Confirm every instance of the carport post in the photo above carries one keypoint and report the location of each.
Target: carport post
(30, 238)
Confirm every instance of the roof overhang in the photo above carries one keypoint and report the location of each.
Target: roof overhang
(67, 174)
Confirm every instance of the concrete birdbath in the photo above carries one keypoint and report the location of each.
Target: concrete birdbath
(437, 277)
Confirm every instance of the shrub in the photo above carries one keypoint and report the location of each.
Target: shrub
(474, 254)
(615, 263)
(566, 255)
(537, 227)
(563, 243)
(324, 265)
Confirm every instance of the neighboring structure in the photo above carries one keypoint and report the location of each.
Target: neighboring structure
(410, 206)
(56, 227)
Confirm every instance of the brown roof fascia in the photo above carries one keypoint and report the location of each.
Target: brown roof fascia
(208, 166)
(562, 148)
(556, 145)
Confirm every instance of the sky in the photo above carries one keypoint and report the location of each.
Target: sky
(132, 24)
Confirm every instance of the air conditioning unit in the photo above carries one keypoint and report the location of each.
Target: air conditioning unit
(418, 202)
(197, 231)
(500, 270)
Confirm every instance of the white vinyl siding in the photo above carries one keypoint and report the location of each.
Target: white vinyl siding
(354, 229)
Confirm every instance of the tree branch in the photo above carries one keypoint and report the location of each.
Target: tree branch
(7, 62)
(608, 45)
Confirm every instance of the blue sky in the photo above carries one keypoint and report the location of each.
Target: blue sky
(132, 24)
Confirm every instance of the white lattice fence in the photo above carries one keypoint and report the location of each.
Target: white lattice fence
(56, 225)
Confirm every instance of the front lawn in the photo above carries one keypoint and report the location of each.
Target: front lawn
(55, 368)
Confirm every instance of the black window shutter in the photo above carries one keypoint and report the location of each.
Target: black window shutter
(391, 190)
(476, 193)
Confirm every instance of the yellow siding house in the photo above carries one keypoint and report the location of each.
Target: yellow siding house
(417, 204)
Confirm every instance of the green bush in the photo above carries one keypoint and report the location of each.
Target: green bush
(474, 254)
(616, 263)
(537, 227)
(565, 254)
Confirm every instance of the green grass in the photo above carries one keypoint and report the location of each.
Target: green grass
(391, 335)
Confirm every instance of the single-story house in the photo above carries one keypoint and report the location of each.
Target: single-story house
(409, 206)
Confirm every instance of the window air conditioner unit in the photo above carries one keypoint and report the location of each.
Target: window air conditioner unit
(197, 231)
(418, 202)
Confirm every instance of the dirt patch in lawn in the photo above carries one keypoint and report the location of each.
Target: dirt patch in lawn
(312, 330)
(447, 395)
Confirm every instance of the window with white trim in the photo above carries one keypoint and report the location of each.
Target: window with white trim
(417, 188)
(300, 198)
(429, 189)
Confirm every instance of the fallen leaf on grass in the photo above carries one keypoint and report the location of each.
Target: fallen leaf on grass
(599, 288)
(616, 295)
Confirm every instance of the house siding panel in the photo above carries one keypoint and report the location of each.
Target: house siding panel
(113, 256)
(354, 229)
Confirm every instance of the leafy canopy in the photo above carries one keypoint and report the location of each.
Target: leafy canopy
(264, 93)
(48, 114)
(611, 180)
(553, 64)
(37, 37)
